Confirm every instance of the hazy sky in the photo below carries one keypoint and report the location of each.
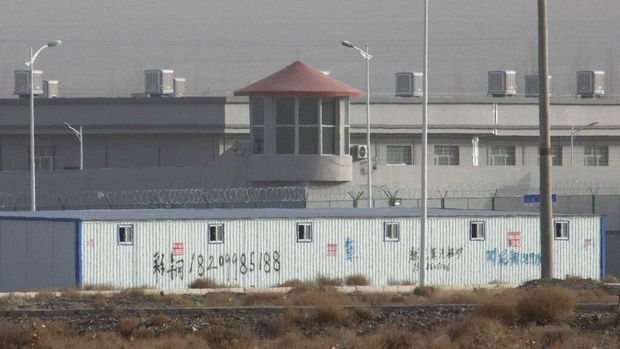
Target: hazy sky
(220, 46)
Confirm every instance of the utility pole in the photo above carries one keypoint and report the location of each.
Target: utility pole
(424, 174)
(546, 213)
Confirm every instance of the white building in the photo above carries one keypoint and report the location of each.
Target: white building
(168, 249)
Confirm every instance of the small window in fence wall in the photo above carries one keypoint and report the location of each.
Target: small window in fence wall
(391, 231)
(561, 229)
(124, 234)
(304, 232)
(216, 233)
(477, 231)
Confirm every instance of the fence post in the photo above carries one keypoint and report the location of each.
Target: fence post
(493, 200)
(593, 194)
(443, 199)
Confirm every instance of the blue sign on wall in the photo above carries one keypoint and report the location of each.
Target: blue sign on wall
(535, 199)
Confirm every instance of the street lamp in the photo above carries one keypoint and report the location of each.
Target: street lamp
(573, 133)
(78, 134)
(30, 63)
(367, 56)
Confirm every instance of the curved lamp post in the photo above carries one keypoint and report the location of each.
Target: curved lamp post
(367, 56)
(30, 63)
(573, 133)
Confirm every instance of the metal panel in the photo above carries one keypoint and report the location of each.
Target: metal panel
(170, 254)
(37, 254)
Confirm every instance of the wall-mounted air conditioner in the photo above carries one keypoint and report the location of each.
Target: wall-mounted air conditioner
(50, 88)
(179, 87)
(159, 82)
(590, 83)
(531, 85)
(409, 84)
(359, 152)
(22, 83)
(502, 83)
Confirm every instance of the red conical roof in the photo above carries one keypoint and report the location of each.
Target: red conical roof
(298, 79)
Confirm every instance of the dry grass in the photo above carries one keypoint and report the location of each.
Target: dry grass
(100, 301)
(295, 283)
(545, 305)
(502, 308)
(356, 280)
(263, 299)
(158, 320)
(360, 314)
(610, 279)
(285, 322)
(172, 299)
(480, 333)
(323, 280)
(392, 282)
(316, 295)
(99, 287)
(330, 313)
(222, 299)
(16, 336)
(45, 295)
(126, 326)
(72, 293)
(205, 283)
(425, 291)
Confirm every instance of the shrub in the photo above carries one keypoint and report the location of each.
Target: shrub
(330, 313)
(356, 280)
(360, 314)
(480, 333)
(392, 282)
(45, 295)
(425, 291)
(100, 301)
(394, 338)
(171, 299)
(546, 305)
(72, 293)
(205, 283)
(294, 283)
(610, 279)
(499, 309)
(284, 323)
(127, 325)
(322, 280)
(98, 287)
(158, 320)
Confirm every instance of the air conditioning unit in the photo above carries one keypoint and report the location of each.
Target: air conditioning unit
(50, 88)
(359, 152)
(22, 83)
(502, 83)
(179, 87)
(409, 84)
(159, 82)
(590, 83)
(531, 85)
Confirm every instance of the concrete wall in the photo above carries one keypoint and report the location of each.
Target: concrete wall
(38, 255)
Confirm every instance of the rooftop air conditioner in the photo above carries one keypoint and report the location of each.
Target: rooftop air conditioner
(531, 85)
(179, 87)
(159, 82)
(502, 83)
(359, 152)
(50, 88)
(409, 84)
(590, 83)
(22, 83)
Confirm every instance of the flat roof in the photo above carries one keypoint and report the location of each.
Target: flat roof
(256, 213)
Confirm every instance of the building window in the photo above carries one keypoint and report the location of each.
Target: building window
(347, 142)
(216, 233)
(257, 117)
(502, 155)
(560, 229)
(125, 234)
(596, 155)
(304, 232)
(329, 112)
(477, 231)
(446, 155)
(44, 156)
(399, 154)
(391, 231)
(306, 125)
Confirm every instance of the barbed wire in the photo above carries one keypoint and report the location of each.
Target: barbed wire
(273, 196)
